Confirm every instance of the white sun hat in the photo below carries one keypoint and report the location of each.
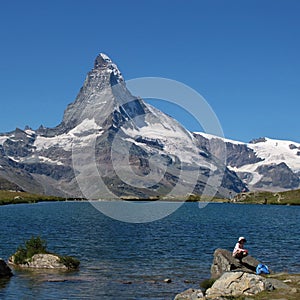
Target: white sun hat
(241, 238)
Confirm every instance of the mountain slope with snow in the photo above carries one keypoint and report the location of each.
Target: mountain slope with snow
(264, 163)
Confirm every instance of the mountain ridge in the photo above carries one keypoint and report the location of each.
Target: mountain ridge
(163, 159)
(264, 163)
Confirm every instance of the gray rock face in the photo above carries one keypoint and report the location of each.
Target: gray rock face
(239, 155)
(277, 176)
(5, 270)
(259, 140)
(224, 262)
(42, 261)
(237, 284)
(7, 185)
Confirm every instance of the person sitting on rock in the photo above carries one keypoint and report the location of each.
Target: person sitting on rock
(239, 252)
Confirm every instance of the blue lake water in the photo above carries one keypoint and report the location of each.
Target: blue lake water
(130, 261)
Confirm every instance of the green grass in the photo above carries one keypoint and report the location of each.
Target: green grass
(70, 262)
(11, 197)
(33, 246)
(277, 198)
(293, 293)
(260, 197)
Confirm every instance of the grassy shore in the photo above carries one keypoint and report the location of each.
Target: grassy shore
(259, 197)
(277, 198)
(11, 197)
(290, 293)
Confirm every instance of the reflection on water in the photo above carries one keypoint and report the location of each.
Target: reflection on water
(130, 261)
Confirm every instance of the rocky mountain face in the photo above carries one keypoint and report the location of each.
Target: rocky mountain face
(263, 164)
(111, 143)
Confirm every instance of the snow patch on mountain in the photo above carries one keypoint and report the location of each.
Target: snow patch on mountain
(3, 139)
(30, 132)
(80, 135)
(38, 159)
(174, 139)
(85, 126)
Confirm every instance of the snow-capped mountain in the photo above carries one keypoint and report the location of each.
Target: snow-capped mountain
(113, 143)
(137, 149)
(265, 164)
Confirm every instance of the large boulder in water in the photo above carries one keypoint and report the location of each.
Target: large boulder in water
(234, 284)
(46, 261)
(224, 262)
(5, 270)
(35, 255)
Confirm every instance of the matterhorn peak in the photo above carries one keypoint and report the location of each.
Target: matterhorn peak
(103, 62)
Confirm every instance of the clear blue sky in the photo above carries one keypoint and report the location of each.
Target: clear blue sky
(242, 56)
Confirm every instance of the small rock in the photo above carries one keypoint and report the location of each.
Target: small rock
(167, 280)
(293, 291)
(278, 284)
(190, 294)
(188, 281)
(56, 280)
(5, 270)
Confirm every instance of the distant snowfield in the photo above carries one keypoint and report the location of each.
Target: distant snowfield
(271, 151)
(276, 151)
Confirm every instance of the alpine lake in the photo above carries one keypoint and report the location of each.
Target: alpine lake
(122, 260)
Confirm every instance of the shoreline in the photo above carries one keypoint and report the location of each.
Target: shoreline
(291, 198)
(218, 201)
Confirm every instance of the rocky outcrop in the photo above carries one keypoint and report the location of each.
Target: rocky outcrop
(34, 255)
(47, 261)
(237, 284)
(41, 261)
(5, 270)
(7, 185)
(224, 262)
(239, 155)
(236, 278)
(277, 175)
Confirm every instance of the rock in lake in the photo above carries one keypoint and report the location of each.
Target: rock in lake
(234, 284)
(41, 261)
(224, 262)
(34, 255)
(5, 270)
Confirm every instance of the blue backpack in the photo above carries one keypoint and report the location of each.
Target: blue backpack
(262, 269)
